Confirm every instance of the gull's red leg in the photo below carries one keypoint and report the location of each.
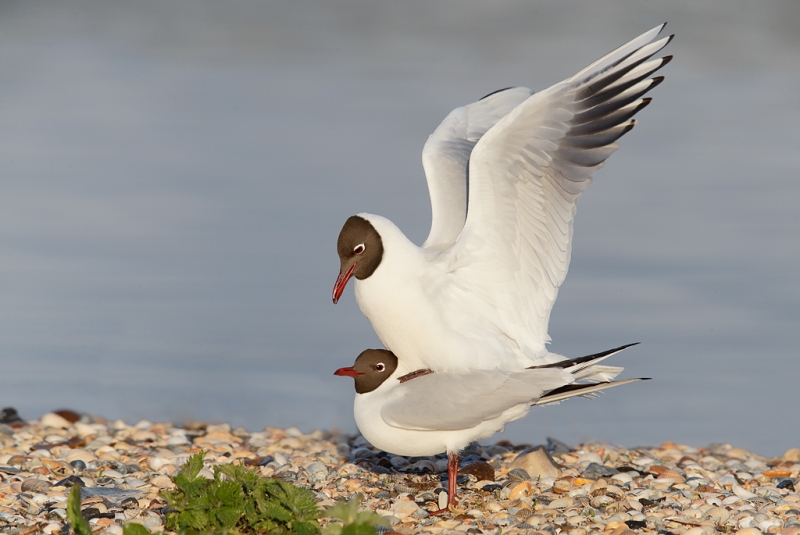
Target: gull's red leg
(452, 477)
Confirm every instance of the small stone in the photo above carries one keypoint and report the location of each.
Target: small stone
(595, 471)
(70, 481)
(35, 485)
(404, 508)
(537, 463)
(748, 531)
(480, 469)
(518, 474)
(743, 493)
(52, 419)
(791, 455)
(317, 471)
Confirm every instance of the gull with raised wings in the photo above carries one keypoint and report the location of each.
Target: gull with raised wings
(504, 176)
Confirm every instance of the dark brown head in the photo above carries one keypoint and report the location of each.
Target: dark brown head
(372, 368)
(360, 251)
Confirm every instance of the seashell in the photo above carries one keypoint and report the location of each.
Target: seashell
(672, 474)
(718, 514)
(601, 501)
(502, 519)
(535, 521)
(576, 520)
(562, 486)
(743, 493)
(522, 514)
(57, 468)
(562, 503)
(519, 490)
(598, 487)
(35, 485)
(748, 531)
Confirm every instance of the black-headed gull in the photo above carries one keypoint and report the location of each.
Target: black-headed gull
(420, 412)
(478, 293)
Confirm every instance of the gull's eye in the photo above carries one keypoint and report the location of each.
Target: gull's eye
(379, 367)
(358, 249)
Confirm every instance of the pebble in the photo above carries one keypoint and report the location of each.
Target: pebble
(591, 489)
(537, 463)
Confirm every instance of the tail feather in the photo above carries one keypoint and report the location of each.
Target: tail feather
(584, 390)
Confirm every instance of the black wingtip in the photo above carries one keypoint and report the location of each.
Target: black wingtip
(495, 92)
(588, 358)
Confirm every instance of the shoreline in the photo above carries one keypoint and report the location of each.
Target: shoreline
(589, 489)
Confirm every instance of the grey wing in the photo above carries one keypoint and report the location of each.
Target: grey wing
(451, 401)
(445, 159)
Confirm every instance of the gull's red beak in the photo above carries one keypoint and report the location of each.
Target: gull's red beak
(349, 372)
(341, 282)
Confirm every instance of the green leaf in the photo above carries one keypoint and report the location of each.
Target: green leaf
(80, 526)
(132, 528)
(237, 502)
(355, 522)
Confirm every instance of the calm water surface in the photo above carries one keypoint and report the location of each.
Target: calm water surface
(173, 177)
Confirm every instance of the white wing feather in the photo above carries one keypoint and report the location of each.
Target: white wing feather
(451, 401)
(526, 174)
(445, 158)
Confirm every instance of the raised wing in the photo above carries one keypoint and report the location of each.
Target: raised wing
(445, 158)
(526, 175)
(450, 401)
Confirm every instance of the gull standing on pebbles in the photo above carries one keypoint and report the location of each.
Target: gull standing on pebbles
(421, 412)
(478, 294)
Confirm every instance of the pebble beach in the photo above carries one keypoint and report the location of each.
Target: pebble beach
(549, 489)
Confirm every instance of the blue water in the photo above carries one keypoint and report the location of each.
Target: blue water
(173, 176)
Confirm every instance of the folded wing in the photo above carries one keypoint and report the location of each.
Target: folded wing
(451, 401)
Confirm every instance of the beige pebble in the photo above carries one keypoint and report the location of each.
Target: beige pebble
(162, 482)
(403, 508)
(748, 531)
(52, 419)
(791, 455)
(718, 514)
(538, 463)
(562, 503)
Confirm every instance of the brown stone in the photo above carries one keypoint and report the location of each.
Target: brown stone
(480, 469)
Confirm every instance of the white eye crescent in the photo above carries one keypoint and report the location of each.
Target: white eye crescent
(358, 249)
(380, 367)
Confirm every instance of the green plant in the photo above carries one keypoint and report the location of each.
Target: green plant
(355, 522)
(80, 526)
(239, 502)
